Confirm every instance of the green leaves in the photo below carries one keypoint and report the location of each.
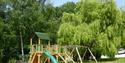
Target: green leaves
(94, 22)
(69, 34)
(84, 32)
(66, 33)
(71, 18)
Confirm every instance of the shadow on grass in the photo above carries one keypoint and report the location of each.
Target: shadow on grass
(108, 59)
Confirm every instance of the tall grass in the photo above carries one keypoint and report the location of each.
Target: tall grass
(12, 60)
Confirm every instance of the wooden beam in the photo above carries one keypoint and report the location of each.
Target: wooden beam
(84, 54)
(69, 57)
(72, 51)
(62, 58)
(92, 55)
(78, 54)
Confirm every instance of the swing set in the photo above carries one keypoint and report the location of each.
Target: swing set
(43, 52)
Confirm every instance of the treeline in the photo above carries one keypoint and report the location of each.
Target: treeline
(19, 19)
(100, 24)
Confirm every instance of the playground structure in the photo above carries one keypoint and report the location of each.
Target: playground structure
(43, 52)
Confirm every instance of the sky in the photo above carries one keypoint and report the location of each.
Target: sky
(61, 2)
(120, 3)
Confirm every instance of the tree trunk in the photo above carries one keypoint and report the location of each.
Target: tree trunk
(21, 39)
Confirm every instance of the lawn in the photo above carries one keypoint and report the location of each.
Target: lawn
(121, 60)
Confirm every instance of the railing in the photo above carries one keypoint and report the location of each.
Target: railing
(52, 48)
(36, 48)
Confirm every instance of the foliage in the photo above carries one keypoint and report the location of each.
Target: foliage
(12, 60)
(27, 17)
(99, 26)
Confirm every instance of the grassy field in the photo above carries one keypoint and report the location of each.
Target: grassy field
(121, 60)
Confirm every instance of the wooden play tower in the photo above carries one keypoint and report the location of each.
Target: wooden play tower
(37, 48)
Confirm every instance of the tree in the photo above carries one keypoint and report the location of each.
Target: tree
(123, 30)
(25, 18)
(98, 26)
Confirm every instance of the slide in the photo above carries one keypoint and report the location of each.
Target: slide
(47, 53)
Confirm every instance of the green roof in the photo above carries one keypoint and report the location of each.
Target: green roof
(43, 36)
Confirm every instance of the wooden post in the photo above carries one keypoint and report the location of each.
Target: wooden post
(39, 58)
(48, 60)
(39, 41)
(57, 57)
(38, 45)
(49, 46)
(31, 49)
(49, 50)
(30, 41)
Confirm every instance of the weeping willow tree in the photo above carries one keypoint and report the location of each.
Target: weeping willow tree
(95, 24)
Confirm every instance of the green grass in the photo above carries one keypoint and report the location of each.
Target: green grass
(121, 60)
